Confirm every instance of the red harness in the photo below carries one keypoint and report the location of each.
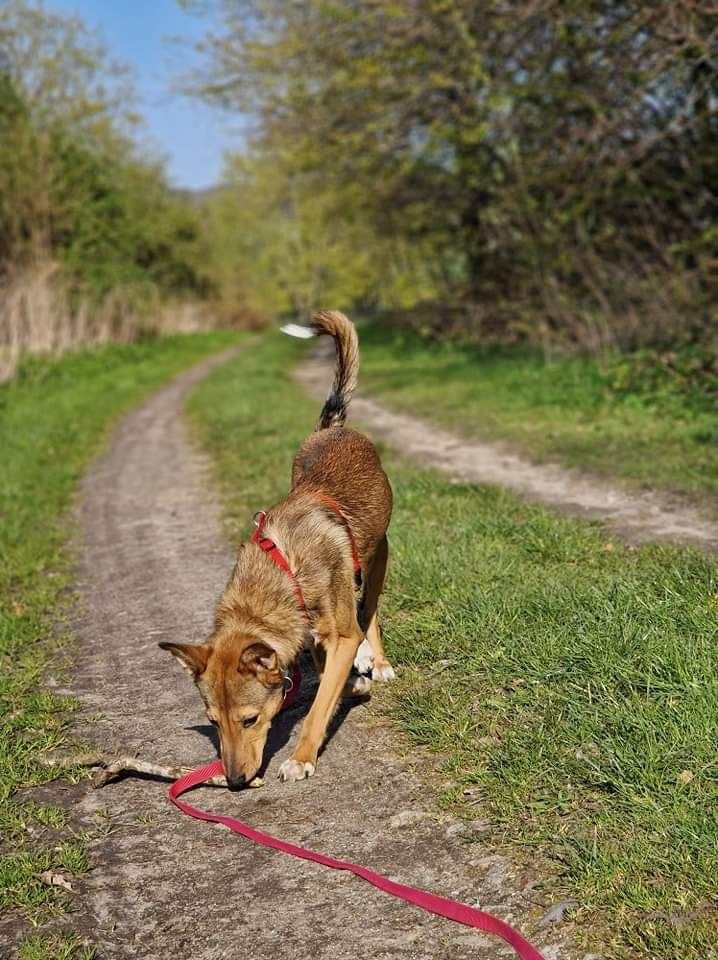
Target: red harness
(273, 551)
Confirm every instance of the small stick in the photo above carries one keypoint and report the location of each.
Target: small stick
(113, 767)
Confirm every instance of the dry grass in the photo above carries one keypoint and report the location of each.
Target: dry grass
(39, 315)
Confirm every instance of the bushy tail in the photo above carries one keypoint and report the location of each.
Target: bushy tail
(336, 325)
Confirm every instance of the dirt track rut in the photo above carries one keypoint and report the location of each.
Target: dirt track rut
(642, 517)
(152, 564)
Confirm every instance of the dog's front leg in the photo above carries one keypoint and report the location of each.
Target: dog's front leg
(340, 652)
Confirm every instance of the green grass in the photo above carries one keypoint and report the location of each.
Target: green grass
(53, 417)
(56, 946)
(579, 704)
(571, 409)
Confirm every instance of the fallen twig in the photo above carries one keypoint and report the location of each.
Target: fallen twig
(111, 767)
(56, 880)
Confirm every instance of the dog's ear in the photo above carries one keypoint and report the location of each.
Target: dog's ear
(263, 662)
(192, 656)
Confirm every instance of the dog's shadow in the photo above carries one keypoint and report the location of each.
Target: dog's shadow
(281, 730)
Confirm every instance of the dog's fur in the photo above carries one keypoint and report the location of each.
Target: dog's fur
(259, 630)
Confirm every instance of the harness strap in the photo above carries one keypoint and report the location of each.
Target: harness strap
(273, 551)
(271, 548)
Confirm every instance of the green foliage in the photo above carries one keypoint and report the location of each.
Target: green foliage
(550, 167)
(281, 243)
(17, 147)
(683, 380)
(115, 224)
(56, 946)
(646, 418)
(73, 186)
(577, 696)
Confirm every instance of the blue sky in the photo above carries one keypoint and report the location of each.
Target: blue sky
(192, 136)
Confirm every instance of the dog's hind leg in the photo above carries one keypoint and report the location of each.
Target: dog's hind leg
(375, 578)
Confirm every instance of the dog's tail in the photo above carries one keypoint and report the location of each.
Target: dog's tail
(336, 325)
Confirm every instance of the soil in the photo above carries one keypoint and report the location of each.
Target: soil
(636, 517)
(152, 563)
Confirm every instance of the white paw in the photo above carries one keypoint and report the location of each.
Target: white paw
(364, 660)
(357, 686)
(383, 673)
(292, 770)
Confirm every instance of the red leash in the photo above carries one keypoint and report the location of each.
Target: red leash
(442, 906)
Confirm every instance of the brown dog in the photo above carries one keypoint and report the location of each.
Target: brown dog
(259, 627)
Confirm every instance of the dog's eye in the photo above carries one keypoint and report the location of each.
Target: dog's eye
(250, 721)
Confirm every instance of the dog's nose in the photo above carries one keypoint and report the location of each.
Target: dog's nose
(236, 781)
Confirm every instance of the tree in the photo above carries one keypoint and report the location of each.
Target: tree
(550, 160)
(74, 187)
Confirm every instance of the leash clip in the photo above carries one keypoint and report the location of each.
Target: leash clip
(288, 684)
(259, 519)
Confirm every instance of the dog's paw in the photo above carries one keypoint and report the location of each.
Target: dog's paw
(357, 686)
(384, 672)
(364, 660)
(292, 770)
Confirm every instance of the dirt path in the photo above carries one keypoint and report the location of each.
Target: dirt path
(644, 517)
(152, 563)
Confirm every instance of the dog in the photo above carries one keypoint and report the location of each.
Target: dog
(309, 551)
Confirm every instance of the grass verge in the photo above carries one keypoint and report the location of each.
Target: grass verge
(578, 703)
(53, 416)
(56, 947)
(571, 409)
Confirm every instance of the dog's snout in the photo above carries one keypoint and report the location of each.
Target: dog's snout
(236, 781)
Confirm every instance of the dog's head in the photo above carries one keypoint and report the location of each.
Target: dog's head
(242, 685)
